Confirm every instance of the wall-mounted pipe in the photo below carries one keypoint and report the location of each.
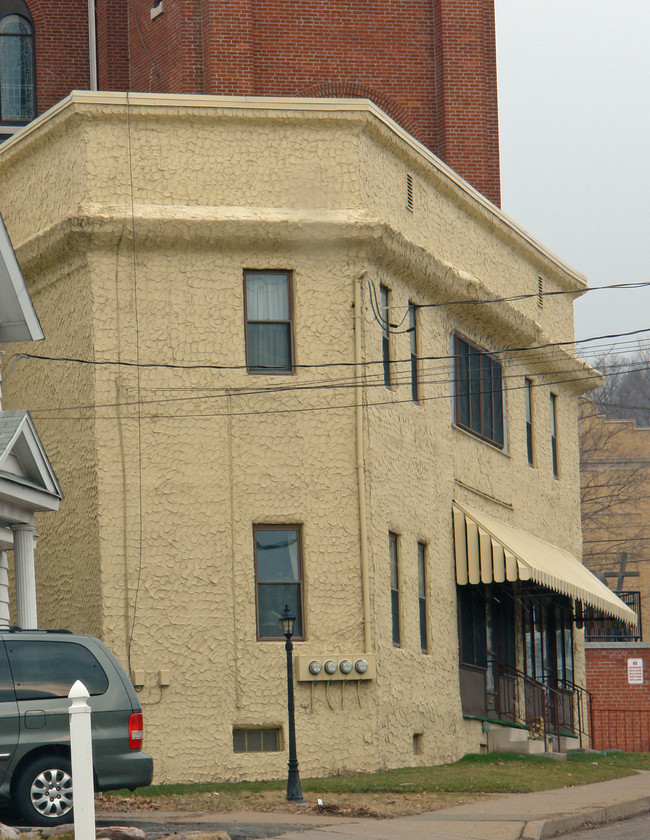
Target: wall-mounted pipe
(92, 44)
(360, 465)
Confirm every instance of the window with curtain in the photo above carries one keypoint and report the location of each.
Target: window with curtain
(268, 321)
(17, 63)
(278, 577)
(478, 392)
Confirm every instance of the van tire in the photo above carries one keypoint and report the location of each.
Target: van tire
(43, 791)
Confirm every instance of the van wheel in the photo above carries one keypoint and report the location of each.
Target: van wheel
(43, 793)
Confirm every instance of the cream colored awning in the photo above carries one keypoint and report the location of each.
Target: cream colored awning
(487, 550)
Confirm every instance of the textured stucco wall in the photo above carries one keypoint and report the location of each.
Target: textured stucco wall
(169, 468)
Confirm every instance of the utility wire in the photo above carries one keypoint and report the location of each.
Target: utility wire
(299, 410)
(205, 366)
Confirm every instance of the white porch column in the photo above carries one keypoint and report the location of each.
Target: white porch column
(25, 575)
(4, 589)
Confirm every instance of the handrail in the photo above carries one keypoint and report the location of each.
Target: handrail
(564, 706)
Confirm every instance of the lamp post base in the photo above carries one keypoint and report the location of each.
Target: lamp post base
(294, 789)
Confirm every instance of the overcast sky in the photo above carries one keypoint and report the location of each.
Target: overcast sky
(574, 110)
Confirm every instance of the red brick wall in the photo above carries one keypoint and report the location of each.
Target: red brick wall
(430, 64)
(621, 712)
(61, 32)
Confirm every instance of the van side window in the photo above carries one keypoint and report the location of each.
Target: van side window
(6, 682)
(43, 670)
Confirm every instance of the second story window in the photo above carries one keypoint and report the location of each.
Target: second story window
(413, 323)
(269, 340)
(554, 434)
(479, 392)
(528, 394)
(385, 334)
(17, 64)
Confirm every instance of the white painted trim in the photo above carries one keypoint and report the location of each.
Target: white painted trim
(27, 438)
(20, 320)
(305, 105)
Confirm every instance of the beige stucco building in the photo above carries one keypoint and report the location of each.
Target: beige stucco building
(261, 385)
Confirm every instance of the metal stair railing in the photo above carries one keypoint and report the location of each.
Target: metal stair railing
(550, 710)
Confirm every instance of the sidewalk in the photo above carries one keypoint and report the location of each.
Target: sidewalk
(518, 816)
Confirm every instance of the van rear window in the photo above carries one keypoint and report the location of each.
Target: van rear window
(43, 670)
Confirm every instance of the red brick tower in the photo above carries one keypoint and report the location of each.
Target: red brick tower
(430, 64)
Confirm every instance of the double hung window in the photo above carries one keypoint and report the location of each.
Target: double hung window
(479, 392)
(278, 575)
(269, 340)
(17, 64)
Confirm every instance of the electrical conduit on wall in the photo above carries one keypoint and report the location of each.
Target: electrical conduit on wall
(360, 465)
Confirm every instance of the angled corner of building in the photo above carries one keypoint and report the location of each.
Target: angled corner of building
(326, 372)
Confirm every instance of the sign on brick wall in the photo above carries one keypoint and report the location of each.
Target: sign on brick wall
(635, 671)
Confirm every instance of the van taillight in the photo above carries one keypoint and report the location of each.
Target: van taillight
(135, 731)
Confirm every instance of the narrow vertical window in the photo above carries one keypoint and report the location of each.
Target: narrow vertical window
(278, 578)
(415, 390)
(394, 588)
(422, 587)
(17, 67)
(385, 334)
(268, 321)
(554, 433)
(528, 391)
(472, 626)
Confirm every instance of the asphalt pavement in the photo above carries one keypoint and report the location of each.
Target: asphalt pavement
(517, 816)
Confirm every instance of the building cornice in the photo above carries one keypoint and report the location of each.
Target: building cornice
(96, 226)
(295, 107)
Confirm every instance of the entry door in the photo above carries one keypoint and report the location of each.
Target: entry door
(9, 722)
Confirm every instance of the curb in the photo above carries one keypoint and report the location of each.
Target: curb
(556, 826)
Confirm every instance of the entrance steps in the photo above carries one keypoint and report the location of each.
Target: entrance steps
(509, 739)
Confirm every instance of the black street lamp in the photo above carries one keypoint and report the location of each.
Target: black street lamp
(294, 791)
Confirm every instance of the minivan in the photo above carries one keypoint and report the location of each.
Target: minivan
(37, 670)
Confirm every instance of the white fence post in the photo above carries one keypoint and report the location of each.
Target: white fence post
(81, 748)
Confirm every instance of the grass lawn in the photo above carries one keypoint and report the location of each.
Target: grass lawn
(408, 790)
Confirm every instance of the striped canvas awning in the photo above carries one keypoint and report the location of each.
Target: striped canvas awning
(487, 550)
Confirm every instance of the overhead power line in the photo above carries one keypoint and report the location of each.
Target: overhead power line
(530, 348)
